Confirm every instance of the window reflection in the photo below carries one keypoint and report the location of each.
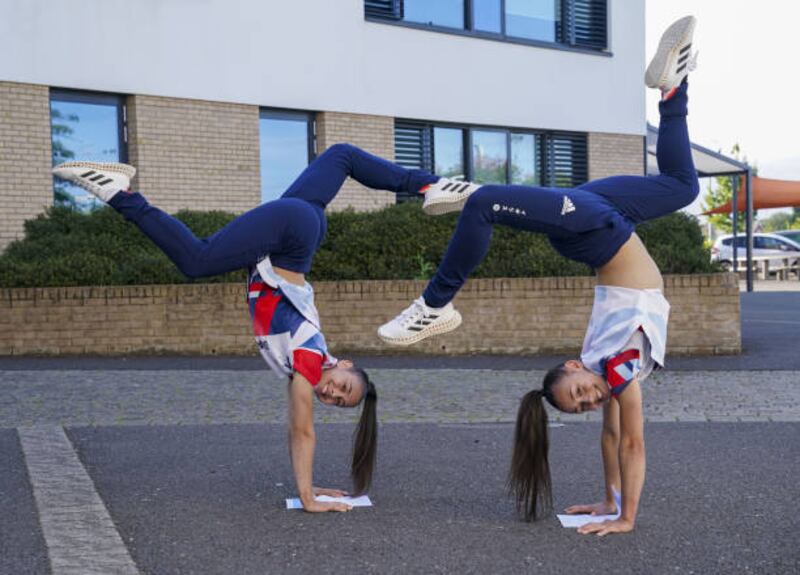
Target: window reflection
(523, 160)
(533, 19)
(448, 152)
(83, 130)
(284, 151)
(489, 157)
(449, 13)
(486, 15)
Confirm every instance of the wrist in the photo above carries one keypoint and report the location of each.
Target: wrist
(628, 518)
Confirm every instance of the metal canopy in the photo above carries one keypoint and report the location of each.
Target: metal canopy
(709, 163)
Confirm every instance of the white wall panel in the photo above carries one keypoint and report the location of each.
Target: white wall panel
(323, 55)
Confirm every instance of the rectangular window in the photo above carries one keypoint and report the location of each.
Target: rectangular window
(85, 126)
(286, 142)
(535, 20)
(447, 13)
(493, 155)
(487, 16)
(578, 24)
(525, 160)
(567, 160)
(489, 157)
(448, 152)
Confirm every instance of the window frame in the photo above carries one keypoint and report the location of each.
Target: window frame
(471, 140)
(100, 98)
(544, 139)
(309, 117)
(267, 113)
(565, 7)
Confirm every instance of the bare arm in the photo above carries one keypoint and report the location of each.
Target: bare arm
(631, 456)
(302, 439)
(609, 444)
(302, 442)
(609, 447)
(631, 450)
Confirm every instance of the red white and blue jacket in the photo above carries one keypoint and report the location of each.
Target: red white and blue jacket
(289, 341)
(627, 335)
(634, 361)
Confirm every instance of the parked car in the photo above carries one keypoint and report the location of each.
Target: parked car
(793, 235)
(763, 245)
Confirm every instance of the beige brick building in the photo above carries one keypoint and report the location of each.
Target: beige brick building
(203, 120)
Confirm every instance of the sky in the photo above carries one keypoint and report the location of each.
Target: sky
(747, 85)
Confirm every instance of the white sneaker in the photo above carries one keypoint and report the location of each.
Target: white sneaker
(447, 195)
(419, 321)
(104, 180)
(674, 58)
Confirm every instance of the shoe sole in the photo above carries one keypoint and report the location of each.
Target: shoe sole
(429, 331)
(124, 169)
(435, 208)
(668, 49)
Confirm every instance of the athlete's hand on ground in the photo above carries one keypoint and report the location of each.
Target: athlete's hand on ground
(604, 508)
(320, 507)
(329, 492)
(606, 527)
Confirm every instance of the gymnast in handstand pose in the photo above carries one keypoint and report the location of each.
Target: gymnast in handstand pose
(276, 243)
(625, 341)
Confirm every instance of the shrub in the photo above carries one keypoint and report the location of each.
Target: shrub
(65, 248)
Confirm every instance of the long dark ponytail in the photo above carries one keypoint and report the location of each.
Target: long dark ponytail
(529, 477)
(365, 438)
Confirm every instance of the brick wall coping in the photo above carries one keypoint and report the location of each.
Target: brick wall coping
(514, 316)
(57, 294)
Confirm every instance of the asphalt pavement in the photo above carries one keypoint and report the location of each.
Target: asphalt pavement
(180, 465)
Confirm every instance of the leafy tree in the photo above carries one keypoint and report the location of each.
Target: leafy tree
(62, 131)
(722, 192)
(780, 221)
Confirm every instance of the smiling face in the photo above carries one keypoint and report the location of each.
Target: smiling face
(341, 386)
(579, 389)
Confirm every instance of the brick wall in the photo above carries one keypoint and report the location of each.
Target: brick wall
(26, 186)
(375, 134)
(195, 154)
(615, 154)
(505, 316)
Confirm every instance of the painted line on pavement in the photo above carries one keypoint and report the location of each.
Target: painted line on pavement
(81, 537)
(771, 321)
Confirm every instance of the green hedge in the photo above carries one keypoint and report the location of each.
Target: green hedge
(67, 248)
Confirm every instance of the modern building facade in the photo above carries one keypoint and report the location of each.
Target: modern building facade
(221, 103)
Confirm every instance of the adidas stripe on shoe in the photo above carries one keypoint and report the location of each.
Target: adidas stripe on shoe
(418, 322)
(674, 58)
(447, 195)
(104, 180)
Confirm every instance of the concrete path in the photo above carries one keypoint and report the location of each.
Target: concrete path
(172, 465)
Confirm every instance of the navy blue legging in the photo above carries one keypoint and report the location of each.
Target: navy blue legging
(289, 229)
(589, 223)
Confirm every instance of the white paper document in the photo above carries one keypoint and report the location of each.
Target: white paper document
(575, 521)
(362, 501)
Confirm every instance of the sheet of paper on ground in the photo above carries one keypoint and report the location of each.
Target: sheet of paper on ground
(362, 501)
(575, 521)
(581, 520)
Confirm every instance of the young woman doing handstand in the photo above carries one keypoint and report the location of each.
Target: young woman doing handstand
(626, 338)
(276, 243)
